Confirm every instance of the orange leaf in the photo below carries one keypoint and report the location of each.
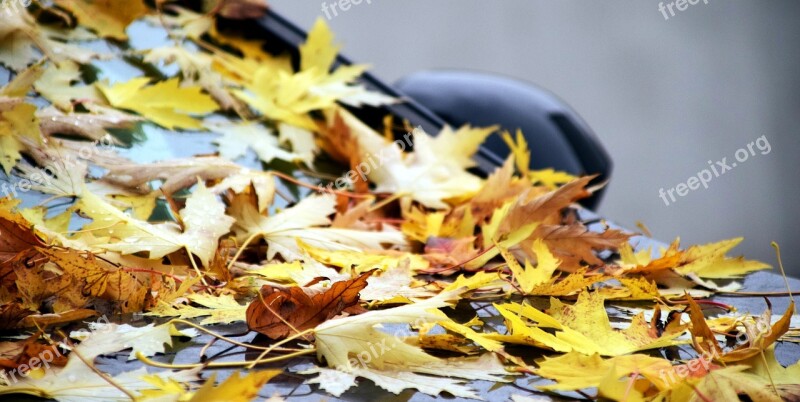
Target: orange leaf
(703, 338)
(17, 238)
(19, 353)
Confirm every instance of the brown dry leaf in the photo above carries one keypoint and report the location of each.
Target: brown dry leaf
(44, 320)
(12, 315)
(238, 9)
(100, 278)
(343, 146)
(43, 282)
(703, 338)
(500, 187)
(19, 353)
(575, 243)
(278, 313)
(531, 207)
(17, 237)
(449, 252)
(351, 218)
(515, 221)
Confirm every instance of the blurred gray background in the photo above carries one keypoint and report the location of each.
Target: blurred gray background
(664, 96)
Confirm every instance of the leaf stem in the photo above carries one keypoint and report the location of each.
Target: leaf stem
(107, 378)
(196, 269)
(226, 339)
(289, 339)
(242, 247)
(780, 264)
(318, 188)
(144, 359)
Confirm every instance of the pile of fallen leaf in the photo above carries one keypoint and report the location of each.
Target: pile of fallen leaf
(359, 276)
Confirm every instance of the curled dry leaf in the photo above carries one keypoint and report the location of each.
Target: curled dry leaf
(239, 9)
(278, 313)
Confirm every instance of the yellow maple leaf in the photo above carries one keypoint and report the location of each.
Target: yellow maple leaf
(469, 333)
(197, 68)
(17, 124)
(568, 285)
(710, 261)
(419, 225)
(241, 69)
(223, 309)
(318, 55)
(285, 97)
(462, 143)
(288, 97)
(583, 327)
(550, 178)
(529, 277)
(164, 103)
(575, 371)
(519, 150)
(235, 388)
(699, 261)
(638, 288)
(480, 280)
(319, 50)
(360, 262)
(22, 82)
(141, 206)
(108, 18)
